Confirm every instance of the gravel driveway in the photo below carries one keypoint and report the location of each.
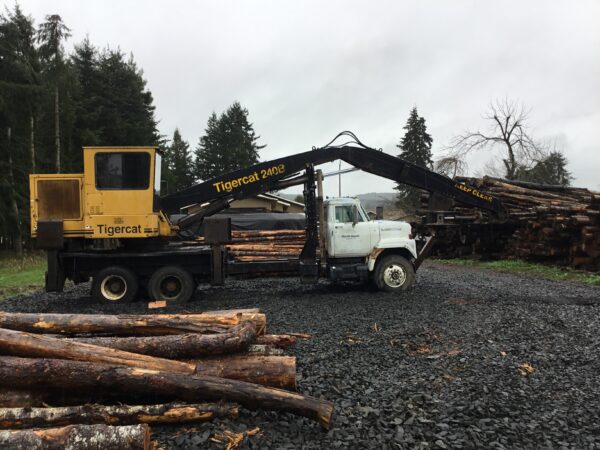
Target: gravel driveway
(468, 359)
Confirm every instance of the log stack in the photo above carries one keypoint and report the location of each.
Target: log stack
(259, 245)
(265, 245)
(67, 378)
(557, 224)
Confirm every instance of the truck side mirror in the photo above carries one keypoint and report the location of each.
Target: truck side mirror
(354, 215)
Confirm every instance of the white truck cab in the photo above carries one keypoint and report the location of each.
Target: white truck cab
(360, 248)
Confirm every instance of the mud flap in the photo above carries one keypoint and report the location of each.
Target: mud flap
(55, 276)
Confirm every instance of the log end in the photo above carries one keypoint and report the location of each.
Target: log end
(325, 415)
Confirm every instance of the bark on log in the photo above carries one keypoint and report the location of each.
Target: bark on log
(271, 371)
(181, 346)
(56, 373)
(19, 343)
(264, 350)
(20, 418)
(231, 317)
(20, 398)
(96, 323)
(277, 340)
(131, 325)
(79, 437)
(264, 233)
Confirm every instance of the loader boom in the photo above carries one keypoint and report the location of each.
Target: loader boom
(266, 176)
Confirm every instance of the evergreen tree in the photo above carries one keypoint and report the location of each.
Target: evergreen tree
(52, 104)
(19, 91)
(229, 143)
(87, 130)
(415, 148)
(51, 34)
(126, 110)
(550, 170)
(179, 166)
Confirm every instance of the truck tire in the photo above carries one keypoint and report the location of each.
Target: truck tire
(171, 283)
(115, 284)
(394, 273)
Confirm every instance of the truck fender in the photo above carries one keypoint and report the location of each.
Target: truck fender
(377, 251)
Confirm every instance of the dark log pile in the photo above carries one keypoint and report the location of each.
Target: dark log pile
(557, 224)
(76, 372)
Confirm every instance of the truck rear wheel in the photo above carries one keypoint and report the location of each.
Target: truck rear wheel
(394, 273)
(171, 283)
(115, 284)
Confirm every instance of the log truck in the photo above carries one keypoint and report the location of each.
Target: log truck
(110, 223)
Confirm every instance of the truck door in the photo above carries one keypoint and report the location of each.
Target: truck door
(348, 239)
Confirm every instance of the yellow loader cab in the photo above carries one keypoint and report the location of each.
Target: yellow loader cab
(115, 197)
(106, 224)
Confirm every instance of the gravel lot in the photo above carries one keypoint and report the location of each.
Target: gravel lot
(439, 367)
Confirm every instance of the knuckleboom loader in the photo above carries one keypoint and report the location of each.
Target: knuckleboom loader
(110, 223)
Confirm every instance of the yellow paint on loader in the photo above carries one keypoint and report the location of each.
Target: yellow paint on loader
(91, 208)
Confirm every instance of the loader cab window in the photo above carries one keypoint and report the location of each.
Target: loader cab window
(122, 170)
(157, 181)
(157, 173)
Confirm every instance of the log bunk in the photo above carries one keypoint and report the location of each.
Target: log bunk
(557, 224)
(99, 381)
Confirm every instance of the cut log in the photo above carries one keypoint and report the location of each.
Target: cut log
(271, 371)
(264, 350)
(277, 340)
(96, 323)
(20, 418)
(20, 398)
(57, 373)
(233, 317)
(79, 437)
(19, 343)
(264, 233)
(132, 325)
(181, 346)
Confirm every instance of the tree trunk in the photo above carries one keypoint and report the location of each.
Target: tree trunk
(179, 346)
(79, 437)
(77, 375)
(19, 418)
(18, 243)
(32, 142)
(272, 371)
(149, 325)
(57, 128)
(19, 343)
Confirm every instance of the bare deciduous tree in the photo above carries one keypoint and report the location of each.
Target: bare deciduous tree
(451, 166)
(508, 132)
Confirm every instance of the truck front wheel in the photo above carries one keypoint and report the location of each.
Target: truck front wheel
(172, 284)
(115, 284)
(394, 273)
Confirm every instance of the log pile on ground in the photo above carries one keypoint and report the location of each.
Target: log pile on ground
(98, 381)
(263, 245)
(552, 223)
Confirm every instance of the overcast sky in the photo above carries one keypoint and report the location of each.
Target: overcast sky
(309, 69)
